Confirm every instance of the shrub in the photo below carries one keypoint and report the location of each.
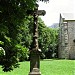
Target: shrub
(2, 53)
(23, 52)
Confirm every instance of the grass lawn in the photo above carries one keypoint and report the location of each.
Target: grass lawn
(48, 67)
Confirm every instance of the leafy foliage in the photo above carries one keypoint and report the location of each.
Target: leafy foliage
(44, 36)
(22, 53)
(12, 15)
(48, 39)
(2, 53)
(16, 31)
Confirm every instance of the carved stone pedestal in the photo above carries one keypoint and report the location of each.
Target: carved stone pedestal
(35, 63)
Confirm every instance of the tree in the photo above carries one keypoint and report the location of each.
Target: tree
(53, 46)
(48, 39)
(12, 14)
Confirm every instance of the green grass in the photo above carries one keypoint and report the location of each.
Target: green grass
(48, 67)
(58, 67)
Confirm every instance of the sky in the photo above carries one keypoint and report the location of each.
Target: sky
(54, 8)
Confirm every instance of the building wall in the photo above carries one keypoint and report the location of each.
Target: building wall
(71, 36)
(66, 37)
(61, 38)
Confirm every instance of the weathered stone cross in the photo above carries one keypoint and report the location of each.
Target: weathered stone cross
(35, 51)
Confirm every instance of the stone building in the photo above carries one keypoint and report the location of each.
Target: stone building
(67, 36)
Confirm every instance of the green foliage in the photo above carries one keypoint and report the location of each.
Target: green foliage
(48, 39)
(1, 43)
(2, 52)
(22, 53)
(16, 31)
(53, 45)
(12, 16)
(44, 36)
(25, 32)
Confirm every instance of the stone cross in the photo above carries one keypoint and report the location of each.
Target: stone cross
(35, 51)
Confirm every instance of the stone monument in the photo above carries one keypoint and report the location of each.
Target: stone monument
(35, 51)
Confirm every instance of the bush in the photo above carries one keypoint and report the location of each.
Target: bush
(23, 53)
(2, 53)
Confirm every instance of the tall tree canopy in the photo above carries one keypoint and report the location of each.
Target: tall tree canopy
(48, 38)
(12, 15)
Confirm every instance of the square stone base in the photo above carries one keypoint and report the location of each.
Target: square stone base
(35, 71)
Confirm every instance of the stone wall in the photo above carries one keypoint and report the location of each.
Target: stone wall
(61, 38)
(71, 34)
(66, 39)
